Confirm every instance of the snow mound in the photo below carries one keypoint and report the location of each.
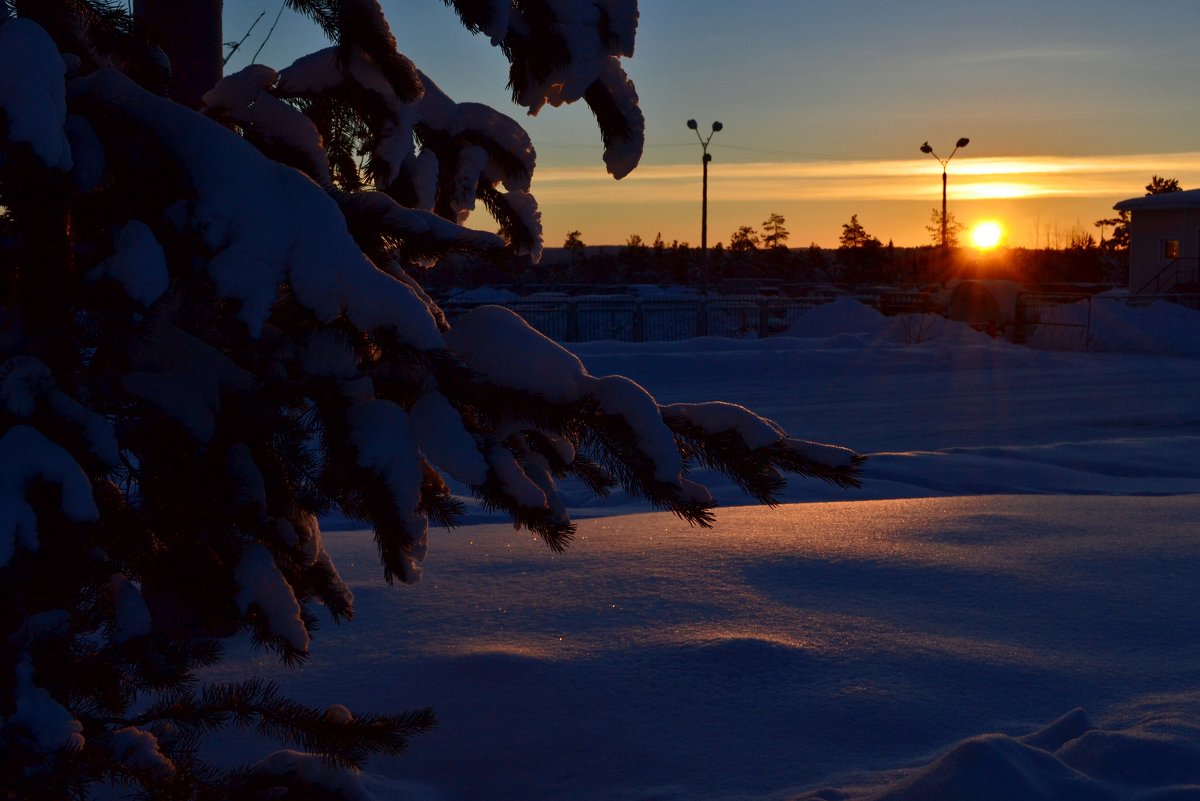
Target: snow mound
(917, 329)
(484, 294)
(1161, 327)
(1068, 760)
(841, 316)
(846, 322)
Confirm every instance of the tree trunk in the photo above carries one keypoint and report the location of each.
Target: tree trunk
(189, 32)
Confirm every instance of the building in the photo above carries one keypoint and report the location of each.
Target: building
(1164, 242)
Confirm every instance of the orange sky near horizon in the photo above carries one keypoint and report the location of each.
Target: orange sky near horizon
(1038, 200)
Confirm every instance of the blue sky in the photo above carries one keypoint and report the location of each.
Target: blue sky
(819, 100)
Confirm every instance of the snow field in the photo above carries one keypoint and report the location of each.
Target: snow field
(920, 641)
(788, 651)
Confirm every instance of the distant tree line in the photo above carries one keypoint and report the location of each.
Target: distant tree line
(1071, 255)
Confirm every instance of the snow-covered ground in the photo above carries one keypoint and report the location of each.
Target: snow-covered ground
(1026, 546)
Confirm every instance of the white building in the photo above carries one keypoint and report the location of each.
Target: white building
(1164, 242)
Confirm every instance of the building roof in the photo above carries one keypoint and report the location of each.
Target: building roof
(1168, 201)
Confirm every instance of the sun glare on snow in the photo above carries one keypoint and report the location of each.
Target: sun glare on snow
(987, 235)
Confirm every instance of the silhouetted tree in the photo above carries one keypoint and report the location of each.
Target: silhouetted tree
(953, 228)
(815, 265)
(775, 235)
(854, 235)
(1162, 186)
(744, 239)
(1118, 239)
(860, 254)
(574, 241)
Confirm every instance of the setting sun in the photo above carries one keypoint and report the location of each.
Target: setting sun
(987, 235)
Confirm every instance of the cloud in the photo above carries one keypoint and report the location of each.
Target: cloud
(1055, 54)
(1028, 177)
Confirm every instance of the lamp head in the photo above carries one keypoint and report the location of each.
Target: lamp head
(692, 124)
(925, 148)
(717, 126)
(962, 142)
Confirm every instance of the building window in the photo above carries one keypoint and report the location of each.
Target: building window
(1170, 248)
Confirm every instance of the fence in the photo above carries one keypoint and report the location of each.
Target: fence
(1053, 321)
(625, 319)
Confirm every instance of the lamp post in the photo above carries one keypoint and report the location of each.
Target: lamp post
(716, 126)
(925, 148)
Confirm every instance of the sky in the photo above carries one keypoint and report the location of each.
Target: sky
(1070, 107)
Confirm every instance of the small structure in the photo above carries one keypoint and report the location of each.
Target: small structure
(985, 305)
(1164, 242)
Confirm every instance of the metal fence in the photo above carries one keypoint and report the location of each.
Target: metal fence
(626, 319)
(1053, 321)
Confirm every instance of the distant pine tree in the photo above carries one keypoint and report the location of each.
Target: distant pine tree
(775, 234)
(212, 332)
(1162, 186)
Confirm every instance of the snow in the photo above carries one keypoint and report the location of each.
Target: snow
(381, 432)
(138, 264)
(311, 74)
(131, 613)
(444, 440)
(250, 488)
(913, 640)
(244, 97)
(32, 93)
(717, 417)
(265, 223)
(622, 21)
(344, 783)
(504, 349)
(497, 25)
(619, 396)
(841, 316)
(516, 483)
(261, 585)
(390, 217)
(484, 294)
(453, 119)
(524, 204)
(26, 456)
(852, 320)
(621, 156)
(49, 723)
(88, 159)
(138, 749)
(184, 377)
(1162, 327)
(471, 163)
(422, 170)
(25, 380)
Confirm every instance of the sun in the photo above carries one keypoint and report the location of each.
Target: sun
(987, 235)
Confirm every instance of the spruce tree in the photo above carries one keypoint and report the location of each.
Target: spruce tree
(212, 331)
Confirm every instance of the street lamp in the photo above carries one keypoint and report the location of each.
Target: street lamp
(925, 148)
(716, 126)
